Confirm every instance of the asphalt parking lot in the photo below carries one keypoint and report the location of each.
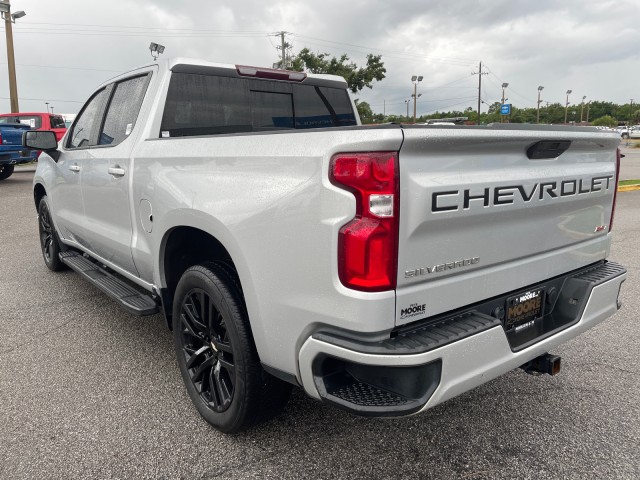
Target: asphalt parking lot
(88, 391)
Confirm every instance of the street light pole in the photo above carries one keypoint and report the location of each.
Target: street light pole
(5, 10)
(582, 109)
(588, 107)
(415, 79)
(566, 107)
(407, 103)
(504, 86)
(47, 103)
(540, 88)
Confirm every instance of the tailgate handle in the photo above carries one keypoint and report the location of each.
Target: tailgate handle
(548, 149)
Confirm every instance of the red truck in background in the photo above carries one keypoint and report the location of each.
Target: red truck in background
(37, 121)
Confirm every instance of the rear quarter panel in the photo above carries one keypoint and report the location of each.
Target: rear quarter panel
(267, 198)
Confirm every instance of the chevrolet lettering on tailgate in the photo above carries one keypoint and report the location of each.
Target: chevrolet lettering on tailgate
(452, 200)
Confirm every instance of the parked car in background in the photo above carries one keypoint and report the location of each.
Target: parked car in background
(623, 130)
(634, 132)
(37, 121)
(11, 151)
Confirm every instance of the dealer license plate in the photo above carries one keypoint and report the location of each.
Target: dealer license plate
(524, 308)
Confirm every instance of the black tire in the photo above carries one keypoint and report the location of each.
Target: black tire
(49, 243)
(216, 353)
(625, 135)
(6, 171)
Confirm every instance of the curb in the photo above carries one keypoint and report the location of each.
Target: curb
(628, 188)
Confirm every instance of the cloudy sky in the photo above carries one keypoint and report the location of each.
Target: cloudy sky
(65, 49)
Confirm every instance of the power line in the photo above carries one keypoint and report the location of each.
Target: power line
(45, 99)
(65, 68)
(422, 102)
(145, 28)
(450, 60)
(511, 89)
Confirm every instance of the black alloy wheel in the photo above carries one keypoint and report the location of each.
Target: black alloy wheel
(48, 238)
(207, 350)
(216, 353)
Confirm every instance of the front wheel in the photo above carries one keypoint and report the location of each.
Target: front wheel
(216, 354)
(6, 171)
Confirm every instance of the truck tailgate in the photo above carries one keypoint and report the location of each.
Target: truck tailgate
(479, 218)
(12, 134)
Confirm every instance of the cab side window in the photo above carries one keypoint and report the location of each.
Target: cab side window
(123, 110)
(83, 130)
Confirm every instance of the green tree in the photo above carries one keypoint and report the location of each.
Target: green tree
(365, 112)
(605, 121)
(357, 77)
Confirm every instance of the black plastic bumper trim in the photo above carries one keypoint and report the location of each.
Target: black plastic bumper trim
(373, 390)
(420, 338)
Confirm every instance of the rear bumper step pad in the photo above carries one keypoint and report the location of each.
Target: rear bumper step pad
(133, 301)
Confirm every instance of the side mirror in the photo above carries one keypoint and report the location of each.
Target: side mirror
(40, 140)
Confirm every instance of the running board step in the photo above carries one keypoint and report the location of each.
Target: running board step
(131, 299)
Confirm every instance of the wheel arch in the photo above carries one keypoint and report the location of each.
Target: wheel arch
(183, 246)
(38, 192)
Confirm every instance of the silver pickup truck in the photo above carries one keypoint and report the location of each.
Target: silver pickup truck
(383, 269)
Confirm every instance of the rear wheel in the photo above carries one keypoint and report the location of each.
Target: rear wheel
(6, 171)
(48, 238)
(216, 354)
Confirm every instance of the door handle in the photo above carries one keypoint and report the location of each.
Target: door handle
(116, 171)
(74, 168)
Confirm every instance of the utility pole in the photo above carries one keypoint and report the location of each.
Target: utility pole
(582, 108)
(284, 51)
(284, 46)
(384, 108)
(407, 102)
(5, 9)
(540, 88)
(479, 73)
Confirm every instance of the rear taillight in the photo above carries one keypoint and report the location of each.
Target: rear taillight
(368, 244)
(615, 188)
